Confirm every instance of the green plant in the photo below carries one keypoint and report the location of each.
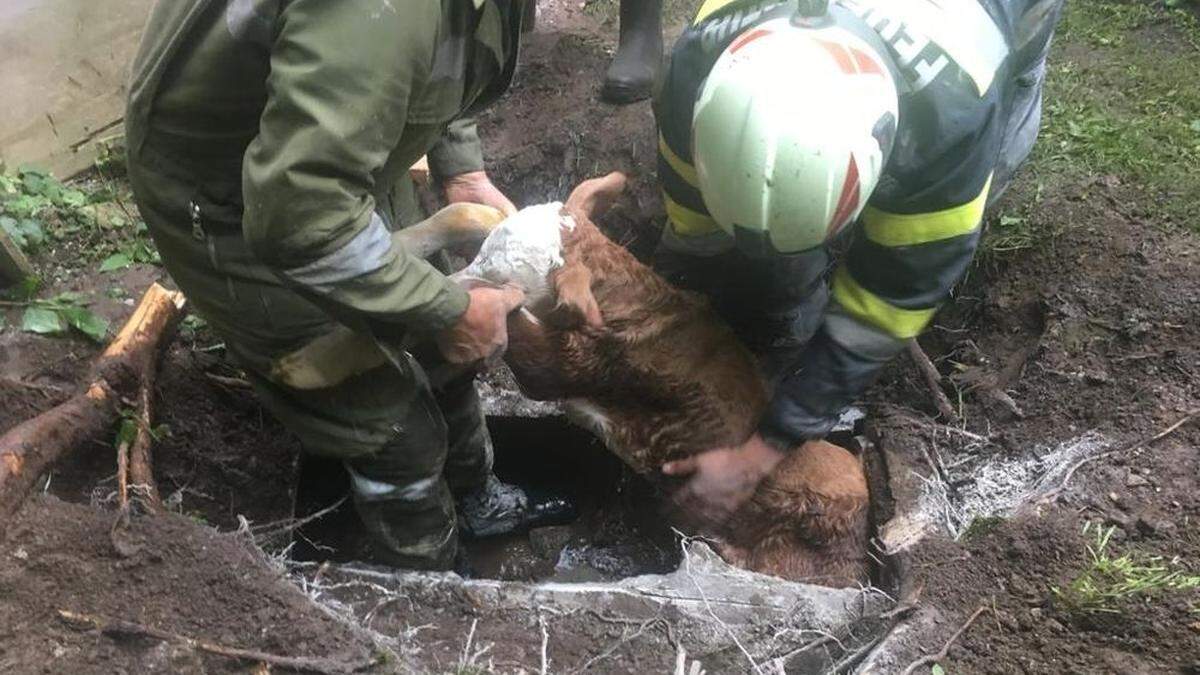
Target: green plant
(130, 423)
(59, 314)
(1108, 579)
(138, 249)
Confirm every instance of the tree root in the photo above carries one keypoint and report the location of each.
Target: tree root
(941, 653)
(933, 379)
(116, 628)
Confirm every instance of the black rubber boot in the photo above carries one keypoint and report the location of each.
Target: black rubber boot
(500, 508)
(529, 16)
(634, 69)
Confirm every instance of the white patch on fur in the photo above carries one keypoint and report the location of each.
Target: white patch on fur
(589, 416)
(523, 250)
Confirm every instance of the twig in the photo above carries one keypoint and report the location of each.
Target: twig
(116, 628)
(463, 662)
(231, 382)
(941, 653)
(687, 566)
(933, 379)
(287, 525)
(545, 644)
(1125, 448)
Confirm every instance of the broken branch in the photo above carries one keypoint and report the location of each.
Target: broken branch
(116, 628)
(933, 379)
(29, 448)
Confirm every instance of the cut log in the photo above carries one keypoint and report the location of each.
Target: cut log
(120, 372)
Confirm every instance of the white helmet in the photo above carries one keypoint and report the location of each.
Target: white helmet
(791, 132)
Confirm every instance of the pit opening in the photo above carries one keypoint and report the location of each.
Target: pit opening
(621, 530)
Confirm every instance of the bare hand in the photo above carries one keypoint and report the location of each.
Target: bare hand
(476, 188)
(482, 332)
(721, 480)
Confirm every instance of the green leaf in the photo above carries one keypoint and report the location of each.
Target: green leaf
(937, 669)
(43, 321)
(1009, 221)
(73, 198)
(87, 322)
(3, 322)
(1195, 126)
(114, 262)
(127, 432)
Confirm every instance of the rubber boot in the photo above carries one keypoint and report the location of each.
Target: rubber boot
(529, 16)
(634, 69)
(499, 508)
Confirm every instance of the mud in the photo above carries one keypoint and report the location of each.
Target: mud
(187, 579)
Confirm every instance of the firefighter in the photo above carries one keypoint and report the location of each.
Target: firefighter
(789, 129)
(269, 147)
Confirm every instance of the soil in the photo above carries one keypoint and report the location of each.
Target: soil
(189, 580)
(1097, 330)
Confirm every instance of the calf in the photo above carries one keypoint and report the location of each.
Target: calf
(654, 372)
(649, 368)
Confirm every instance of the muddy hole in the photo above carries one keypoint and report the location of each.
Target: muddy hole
(620, 530)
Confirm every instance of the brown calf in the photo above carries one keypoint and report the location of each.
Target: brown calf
(659, 376)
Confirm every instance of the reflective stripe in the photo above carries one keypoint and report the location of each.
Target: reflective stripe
(686, 171)
(862, 339)
(366, 252)
(869, 308)
(687, 222)
(426, 545)
(376, 490)
(893, 229)
(708, 8)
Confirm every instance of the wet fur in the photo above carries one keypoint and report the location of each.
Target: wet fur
(655, 372)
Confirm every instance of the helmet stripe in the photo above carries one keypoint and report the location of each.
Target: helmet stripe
(840, 54)
(848, 201)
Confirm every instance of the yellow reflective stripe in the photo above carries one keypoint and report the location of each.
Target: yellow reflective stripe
(687, 222)
(893, 229)
(708, 8)
(686, 171)
(869, 308)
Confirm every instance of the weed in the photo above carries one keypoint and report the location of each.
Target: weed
(59, 314)
(982, 526)
(1108, 580)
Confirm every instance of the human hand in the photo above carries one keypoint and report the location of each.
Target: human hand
(482, 331)
(721, 480)
(475, 187)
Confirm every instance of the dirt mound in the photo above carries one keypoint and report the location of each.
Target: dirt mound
(187, 579)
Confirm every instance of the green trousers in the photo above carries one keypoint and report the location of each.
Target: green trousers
(409, 447)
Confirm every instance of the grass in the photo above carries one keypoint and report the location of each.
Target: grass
(1108, 579)
(1120, 100)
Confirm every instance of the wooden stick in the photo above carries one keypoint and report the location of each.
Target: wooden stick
(941, 653)
(29, 448)
(933, 379)
(141, 467)
(116, 628)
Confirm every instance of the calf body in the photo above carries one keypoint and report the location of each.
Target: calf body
(656, 373)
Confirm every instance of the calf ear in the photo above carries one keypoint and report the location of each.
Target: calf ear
(595, 196)
(576, 304)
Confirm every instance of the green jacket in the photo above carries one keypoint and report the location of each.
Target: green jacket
(321, 107)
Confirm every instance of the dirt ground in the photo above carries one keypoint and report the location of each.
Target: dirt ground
(1095, 329)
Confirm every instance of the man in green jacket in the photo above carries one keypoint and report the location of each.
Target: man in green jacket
(269, 148)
